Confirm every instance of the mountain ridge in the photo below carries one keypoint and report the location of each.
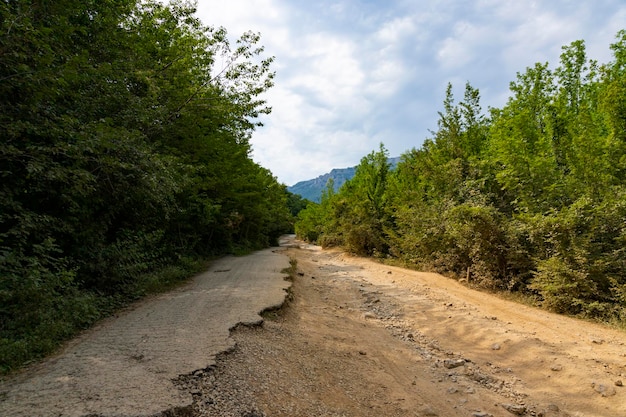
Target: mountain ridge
(312, 189)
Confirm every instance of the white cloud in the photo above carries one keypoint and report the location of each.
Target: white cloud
(331, 70)
(352, 73)
(396, 30)
(385, 57)
(454, 53)
(239, 16)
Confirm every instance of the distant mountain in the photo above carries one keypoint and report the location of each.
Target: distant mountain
(312, 189)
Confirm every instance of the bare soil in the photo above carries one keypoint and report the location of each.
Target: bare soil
(359, 338)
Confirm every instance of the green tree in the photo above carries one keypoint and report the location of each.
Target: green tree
(360, 207)
(125, 150)
(315, 219)
(529, 199)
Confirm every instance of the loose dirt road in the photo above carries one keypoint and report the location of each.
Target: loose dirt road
(364, 339)
(357, 339)
(129, 365)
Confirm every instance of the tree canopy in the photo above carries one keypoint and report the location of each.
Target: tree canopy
(529, 197)
(124, 156)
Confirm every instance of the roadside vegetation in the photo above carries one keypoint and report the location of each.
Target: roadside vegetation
(528, 198)
(124, 160)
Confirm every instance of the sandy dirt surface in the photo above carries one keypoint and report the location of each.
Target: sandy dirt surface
(129, 365)
(359, 338)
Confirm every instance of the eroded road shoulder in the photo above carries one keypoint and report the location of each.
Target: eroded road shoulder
(361, 339)
(126, 365)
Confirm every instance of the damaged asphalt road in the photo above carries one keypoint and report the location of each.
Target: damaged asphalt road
(127, 365)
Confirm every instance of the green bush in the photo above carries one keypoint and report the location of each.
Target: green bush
(40, 304)
(563, 288)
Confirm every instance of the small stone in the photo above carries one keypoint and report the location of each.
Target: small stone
(252, 414)
(557, 368)
(516, 409)
(428, 411)
(495, 346)
(481, 414)
(453, 363)
(369, 315)
(361, 352)
(603, 389)
(619, 383)
(549, 410)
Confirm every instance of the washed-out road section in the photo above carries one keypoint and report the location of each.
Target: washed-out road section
(126, 366)
(363, 339)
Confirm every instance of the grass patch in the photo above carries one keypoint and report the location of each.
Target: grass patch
(291, 270)
(170, 276)
(29, 335)
(274, 313)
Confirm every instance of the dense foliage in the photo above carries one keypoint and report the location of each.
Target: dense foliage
(124, 156)
(531, 197)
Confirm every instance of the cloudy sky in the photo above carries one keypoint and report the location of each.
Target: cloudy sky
(351, 74)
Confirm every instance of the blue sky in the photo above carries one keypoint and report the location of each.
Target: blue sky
(351, 74)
